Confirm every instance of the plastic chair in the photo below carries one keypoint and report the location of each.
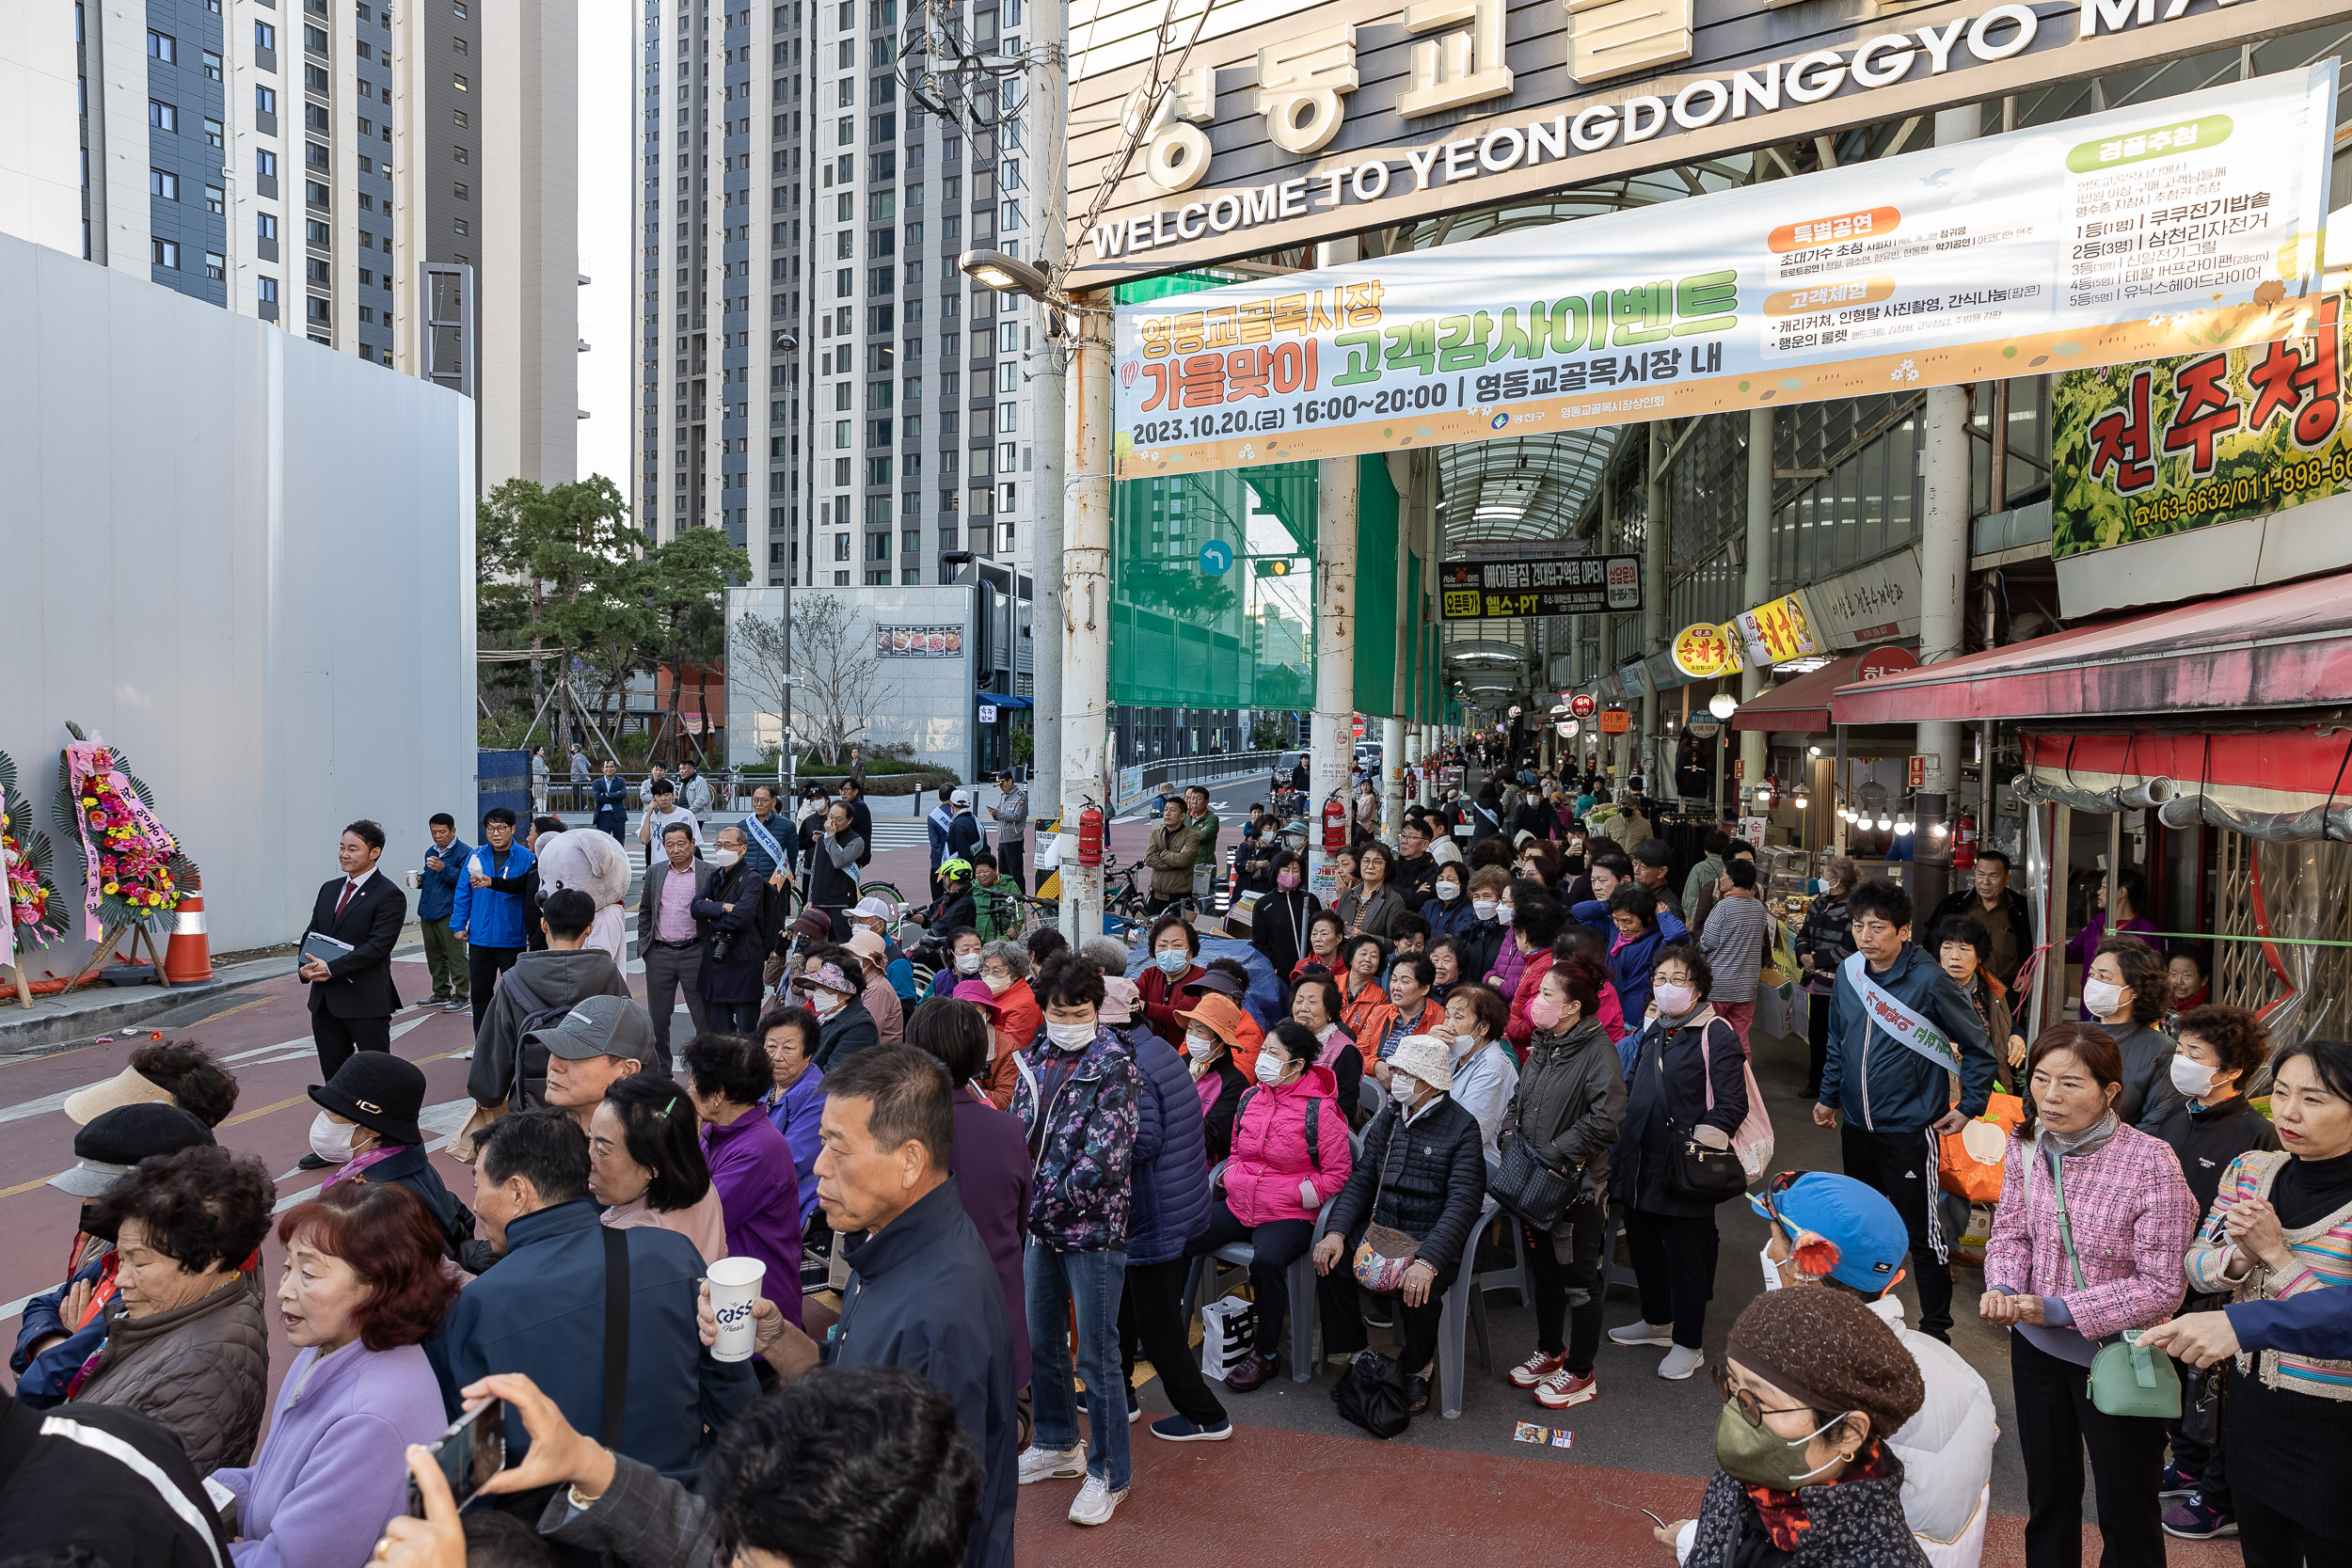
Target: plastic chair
(1464, 1309)
(1371, 1097)
(1200, 1285)
(1519, 1274)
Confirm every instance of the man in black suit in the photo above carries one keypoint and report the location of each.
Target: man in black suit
(352, 1000)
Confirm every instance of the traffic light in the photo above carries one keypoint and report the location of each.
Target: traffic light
(1274, 566)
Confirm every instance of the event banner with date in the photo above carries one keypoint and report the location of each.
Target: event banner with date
(2185, 224)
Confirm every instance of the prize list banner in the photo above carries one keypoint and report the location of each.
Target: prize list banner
(2189, 224)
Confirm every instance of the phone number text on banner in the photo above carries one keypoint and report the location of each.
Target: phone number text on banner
(2191, 224)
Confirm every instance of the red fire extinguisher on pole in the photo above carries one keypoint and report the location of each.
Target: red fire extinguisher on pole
(1963, 843)
(1090, 834)
(1334, 826)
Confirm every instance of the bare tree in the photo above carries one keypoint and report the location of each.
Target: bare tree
(844, 684)
(760, 659)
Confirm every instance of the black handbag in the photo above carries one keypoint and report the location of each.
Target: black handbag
(1529, 1187)
(1371, 1394)
(1695, 1173)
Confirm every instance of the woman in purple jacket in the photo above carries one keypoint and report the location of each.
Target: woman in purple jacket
(796, 1096)
(363, 1287)
(751, 1164)
(991, 1163)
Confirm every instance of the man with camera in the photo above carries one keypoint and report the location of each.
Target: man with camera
(728, 908)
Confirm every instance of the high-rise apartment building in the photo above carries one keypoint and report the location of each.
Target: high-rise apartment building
(306, 161)
(814, 373)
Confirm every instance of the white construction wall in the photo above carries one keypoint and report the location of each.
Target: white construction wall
(245, 559)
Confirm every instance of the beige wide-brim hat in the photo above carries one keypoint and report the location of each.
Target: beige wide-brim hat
(127, 1087)
(1427, 1058)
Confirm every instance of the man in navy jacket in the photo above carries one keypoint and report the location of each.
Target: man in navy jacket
(2315, 1323)
(1894, 1104)
(437, 894)
(541, 1311)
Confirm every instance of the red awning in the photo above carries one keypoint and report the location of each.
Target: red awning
(2288, 647)
(1800, 706)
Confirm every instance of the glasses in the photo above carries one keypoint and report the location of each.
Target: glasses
(1752, 1410)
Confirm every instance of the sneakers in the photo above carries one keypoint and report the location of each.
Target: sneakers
(1534, 1370)
(1096, 1502)
(457, 1004)
(1643, 1334)
(1180, 1429)
(1681, 1363)
(1053, 1463)
(2175, 1482)
(1564, 1388)
(2198, 1520)
(1134, 1407)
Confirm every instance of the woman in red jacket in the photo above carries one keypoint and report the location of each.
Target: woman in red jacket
(1175, 955)
(1278, 1178)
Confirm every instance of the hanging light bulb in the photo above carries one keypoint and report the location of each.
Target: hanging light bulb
(1723, 705)
(1941, 830)
(1813, 751)
(1886, 824)
(1904, 826)
(1800, 802)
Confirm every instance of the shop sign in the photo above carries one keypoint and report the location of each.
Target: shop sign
(1615, 721)
(1583, 705)
(1926, 773)
(1879, 663)
(1702, 651)
(1703, 725)
(1206, 132)
(918, 642)
(1777, 632)
(2170, 446)
(1869, 604)
(1567, 728)
(2190, 222)
(1634, 679)
(987, 713)
(1515, 589)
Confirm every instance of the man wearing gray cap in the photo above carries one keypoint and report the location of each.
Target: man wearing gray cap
(61, 1329)
(602, 1039)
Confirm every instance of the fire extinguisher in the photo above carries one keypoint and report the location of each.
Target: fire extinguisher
(1334, 826)
(1963, 843)
(1090, 834)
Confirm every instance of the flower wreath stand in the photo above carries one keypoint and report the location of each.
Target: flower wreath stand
(133, 872)
(34, 916)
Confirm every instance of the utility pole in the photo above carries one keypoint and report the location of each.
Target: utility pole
(1760, 583)
(1944, 527)
(1086, 622)
(1048, 66)
(1657, 774)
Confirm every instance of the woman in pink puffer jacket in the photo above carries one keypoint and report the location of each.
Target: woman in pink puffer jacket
(1277, 1180)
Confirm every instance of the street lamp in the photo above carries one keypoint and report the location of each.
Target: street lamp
(1723, 705)
(1007, 275)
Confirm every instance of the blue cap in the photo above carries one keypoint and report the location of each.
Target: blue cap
(1858, 1220)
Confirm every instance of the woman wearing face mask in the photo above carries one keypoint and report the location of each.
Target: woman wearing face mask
(844, 1027)
(1371, 908)
(364, 1285)
(1812, 1383)
(2063, 1290)
(367, 1124)
(1568, 1102)
(2209, 1122)
(2124, 991)
(1485, 1074)
(1279, 1177)
(1316, 1007)
(1005, 971)
(1080, 1105)
(1686, 1082)
(962, 961)
(1326, 933)
(2280, 1225)
(1510, 960)
(1219, 1080)
(645, 1163)
(1175, 949)
(1448, 909)
(729, 980)
(1489, 928)
(1278, 921)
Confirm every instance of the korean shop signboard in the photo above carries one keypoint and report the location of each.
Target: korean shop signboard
(1517, 589)
(1234, 129)
(2192, 222)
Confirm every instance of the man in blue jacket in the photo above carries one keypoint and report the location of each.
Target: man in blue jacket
(437, 896)
(543, 1310)
(1898, 1028)
(2315, 1323)
(492, 909)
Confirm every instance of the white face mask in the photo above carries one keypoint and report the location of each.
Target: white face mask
(1673, 1001)
(998, 984)
(1270, 1069)
(2193, 1079)
(1448, 891)
(2101, 999)
(1200, 1044)
(1503, 913)
(827, 1003)
(967, 963)
(1771, 1270)
(331, 1139)
(1071, 1036)
(1483, 907)
(724, 858)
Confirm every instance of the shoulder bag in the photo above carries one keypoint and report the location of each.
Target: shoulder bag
(1385, 1253)
(1698, 1172)
(2126, 1379)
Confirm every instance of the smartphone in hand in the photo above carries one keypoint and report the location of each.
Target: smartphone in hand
(469, 1454)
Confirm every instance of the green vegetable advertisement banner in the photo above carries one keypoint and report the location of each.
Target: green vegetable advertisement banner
(2170, 445)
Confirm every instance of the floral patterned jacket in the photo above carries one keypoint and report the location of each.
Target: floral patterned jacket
(1083, 1140)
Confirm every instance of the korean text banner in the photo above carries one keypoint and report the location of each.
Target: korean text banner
(2194, 223)
(2183, 443)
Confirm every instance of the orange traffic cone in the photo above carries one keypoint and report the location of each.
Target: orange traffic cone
(189, 955)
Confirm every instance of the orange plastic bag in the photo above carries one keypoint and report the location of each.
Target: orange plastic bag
(1968, 1162)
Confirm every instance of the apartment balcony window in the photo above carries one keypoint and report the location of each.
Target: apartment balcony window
(163, 116)
(166, 253)
(216, 267)
(163, 184)
(314, 40)
(162, 46)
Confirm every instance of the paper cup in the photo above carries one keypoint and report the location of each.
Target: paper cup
(734, 1285)
(416, 879)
